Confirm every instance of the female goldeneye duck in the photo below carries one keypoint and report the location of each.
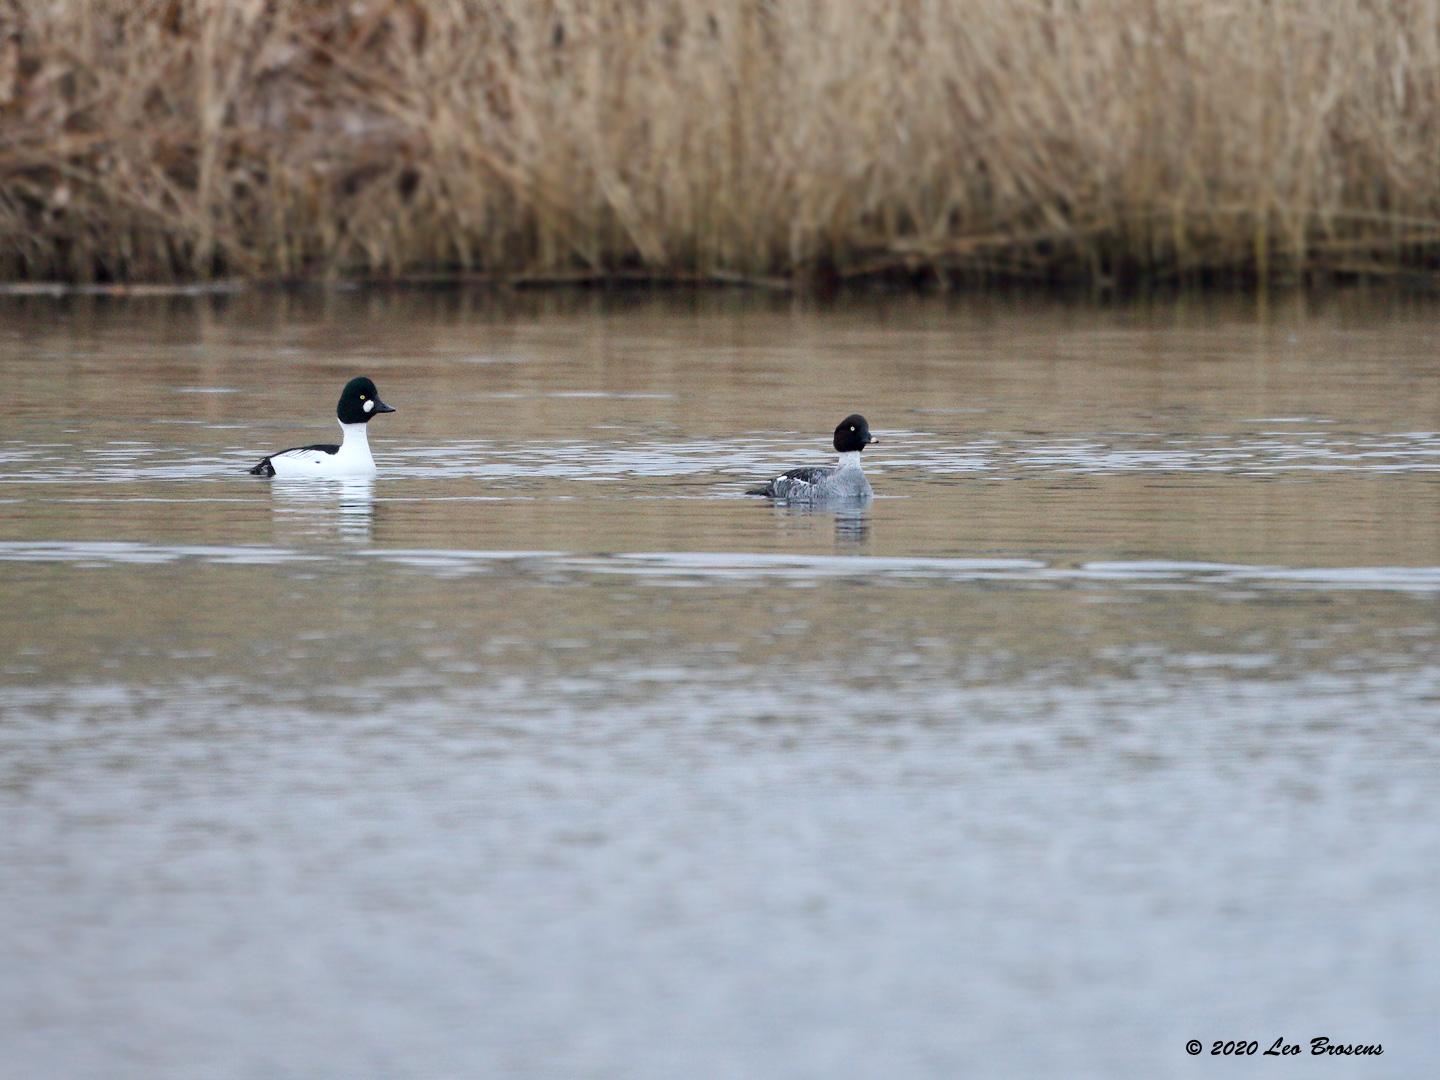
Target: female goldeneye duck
(359, 404)
(817, 483)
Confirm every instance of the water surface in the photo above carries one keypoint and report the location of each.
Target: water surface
(1113, 721)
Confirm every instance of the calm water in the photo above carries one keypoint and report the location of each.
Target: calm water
(1113, 722)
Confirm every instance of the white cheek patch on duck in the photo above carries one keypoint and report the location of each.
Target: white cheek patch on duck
(369, 406)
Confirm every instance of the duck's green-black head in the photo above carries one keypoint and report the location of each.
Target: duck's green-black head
(853, 434)
(359, 403)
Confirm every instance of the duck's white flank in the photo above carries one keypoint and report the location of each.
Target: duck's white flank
(352, 459)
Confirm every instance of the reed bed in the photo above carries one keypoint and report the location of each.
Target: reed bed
(779, 141)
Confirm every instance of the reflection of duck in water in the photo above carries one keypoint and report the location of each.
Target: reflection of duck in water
(852, 519)
(305, 507)
(814, 483)
(359, 404)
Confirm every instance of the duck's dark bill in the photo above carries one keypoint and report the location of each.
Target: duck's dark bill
(380, 406)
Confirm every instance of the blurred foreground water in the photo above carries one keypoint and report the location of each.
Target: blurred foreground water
(1114, 720)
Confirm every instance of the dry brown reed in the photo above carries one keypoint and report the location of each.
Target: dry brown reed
(799, 140)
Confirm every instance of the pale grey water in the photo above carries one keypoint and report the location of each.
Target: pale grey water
(1113, 722)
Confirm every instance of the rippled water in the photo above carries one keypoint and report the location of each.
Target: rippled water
(1112, 722)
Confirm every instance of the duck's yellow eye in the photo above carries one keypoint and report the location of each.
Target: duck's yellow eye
(852, 427)
(362, 398)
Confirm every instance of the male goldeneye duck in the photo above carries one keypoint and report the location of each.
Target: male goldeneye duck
(817, 483)
(359, 404)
